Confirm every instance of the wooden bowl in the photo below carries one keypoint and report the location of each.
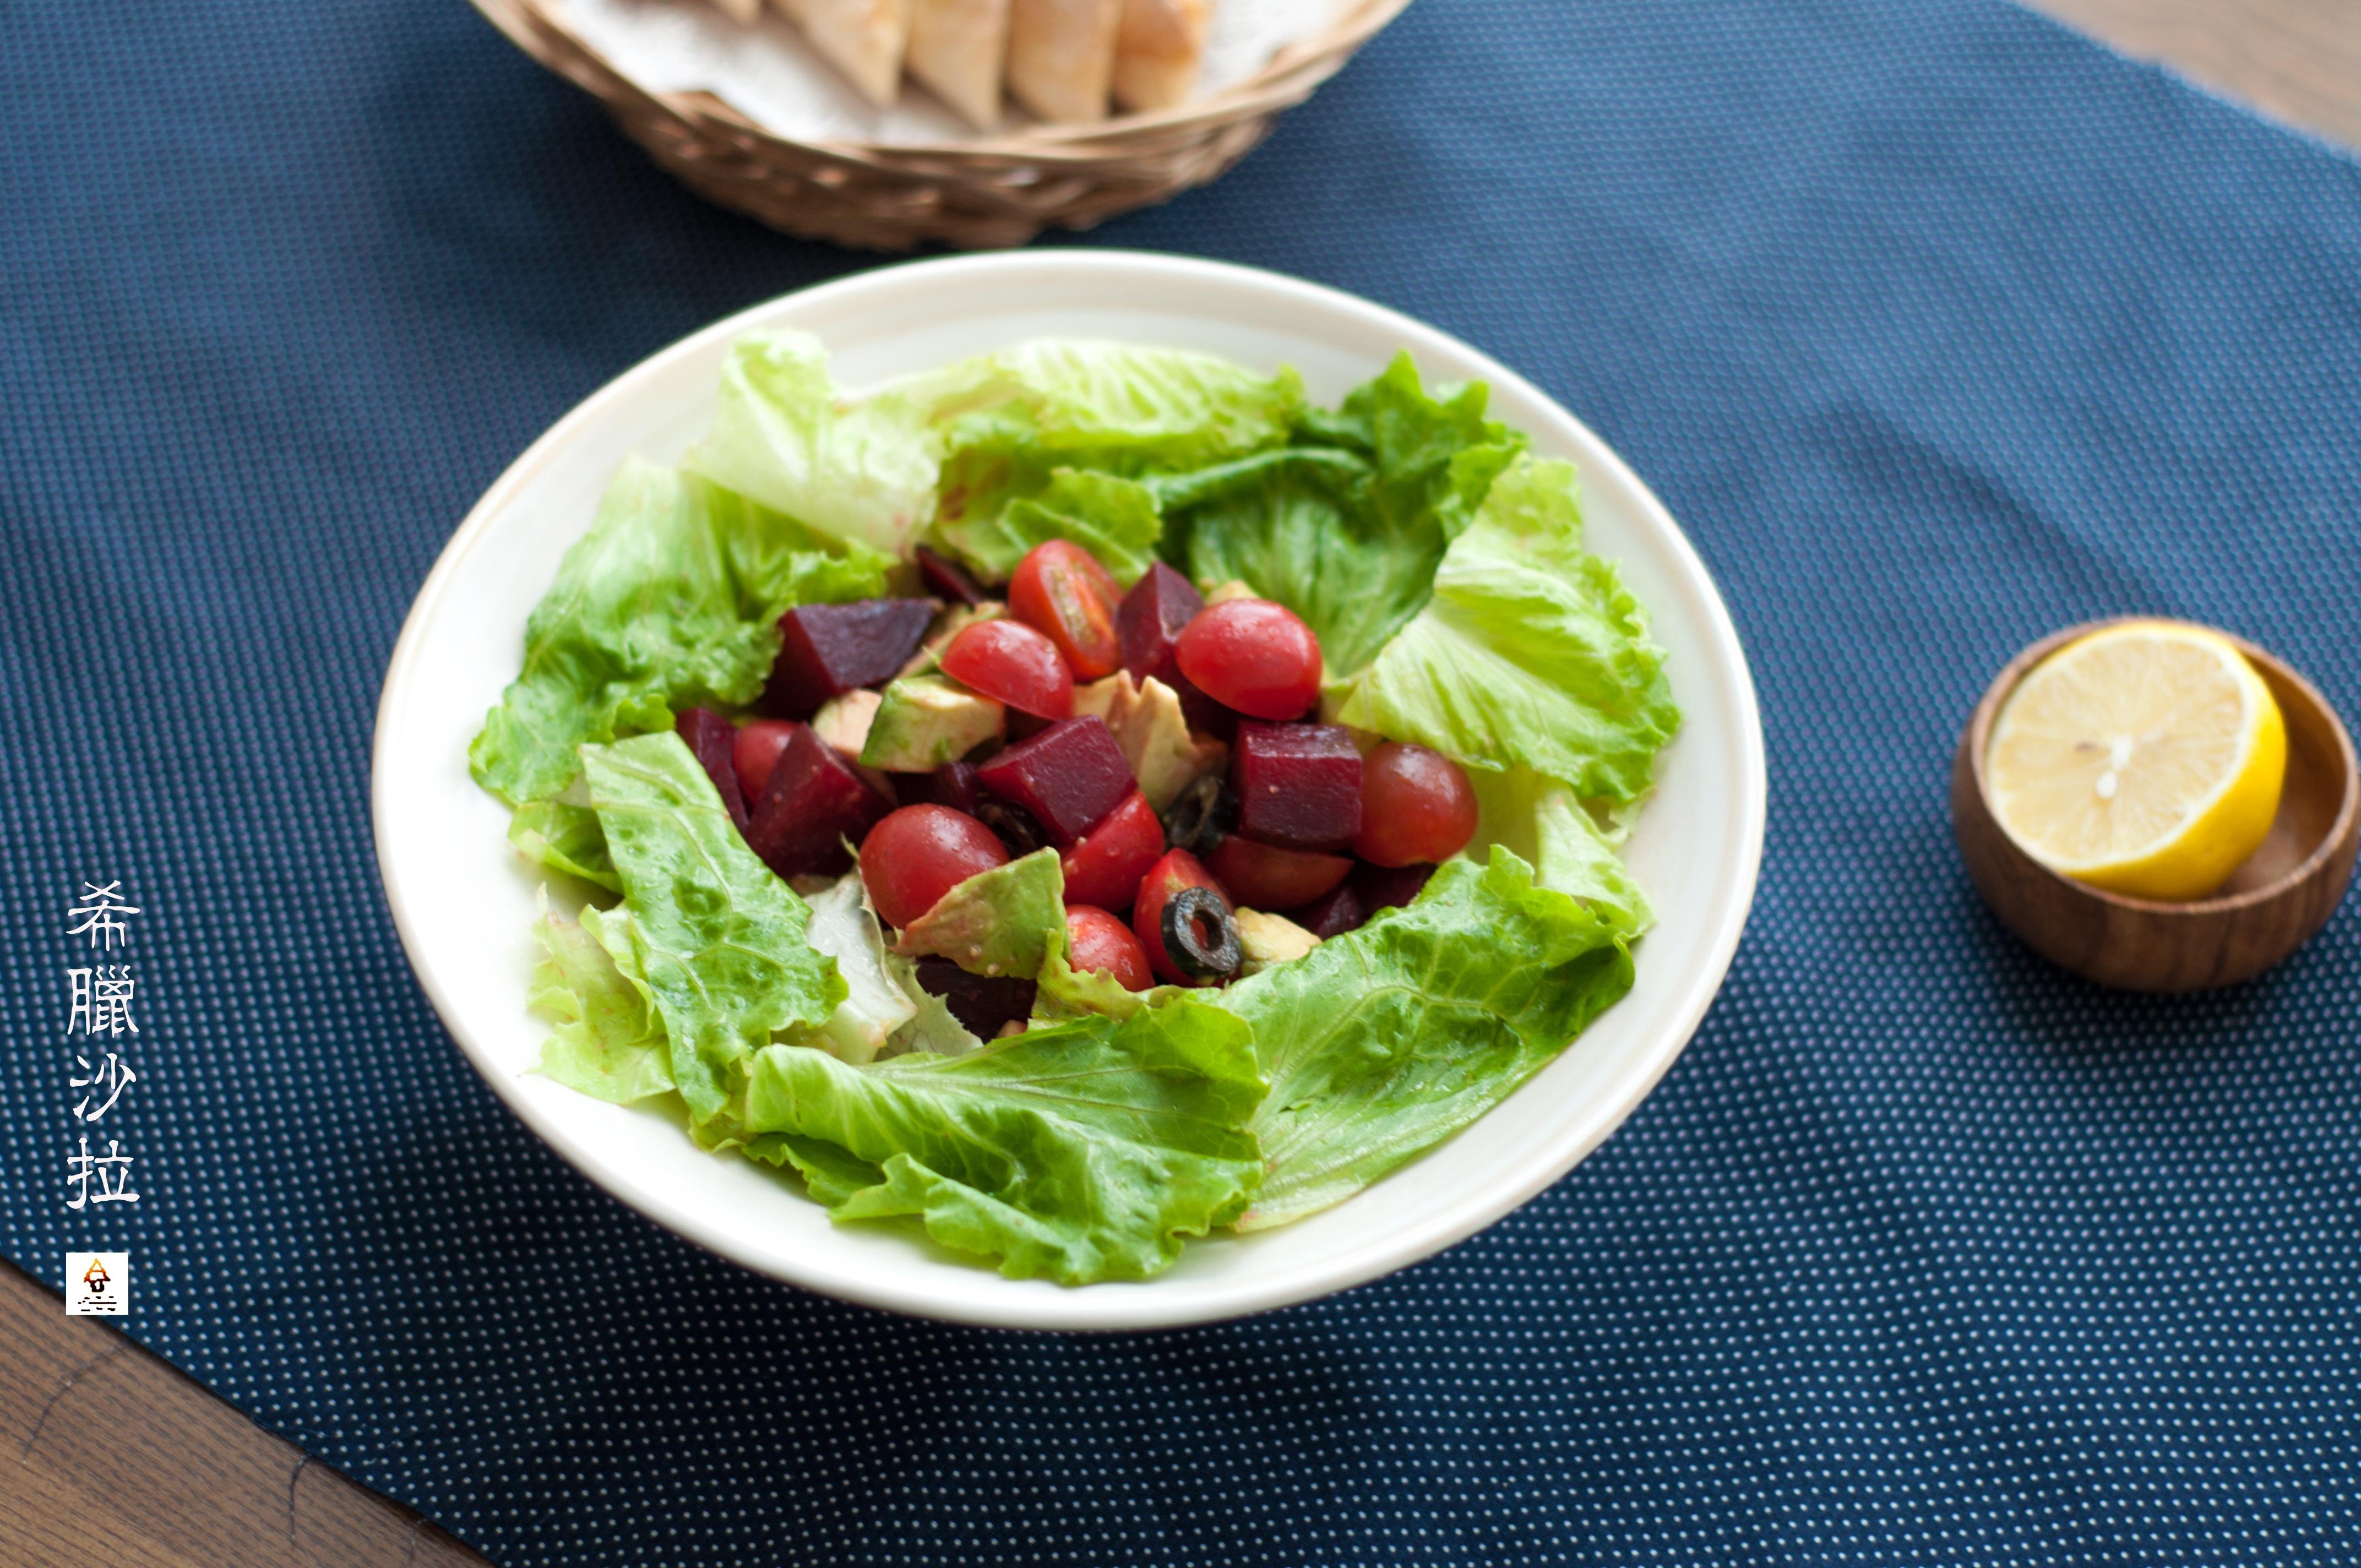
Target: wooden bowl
(995, 190)
(2270, 907)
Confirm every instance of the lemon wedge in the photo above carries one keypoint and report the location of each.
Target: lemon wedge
(2146, 758)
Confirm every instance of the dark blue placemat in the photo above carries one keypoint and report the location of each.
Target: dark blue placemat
(1937, 327)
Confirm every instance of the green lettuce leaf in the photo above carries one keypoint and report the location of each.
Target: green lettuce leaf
(1015, 421)
(830, 1174)
(1384, 1041)
(567, 838)
(1074, 1152)
(1531, 651)
(954, 447)
(672, 599)
(833, 1175)
(1120, 407)
(1541, 822)
(1436, 454)
(1348, 533)
(607, 1041)
(720, 940)
(783, 436)
(1115, 519)
(1068, 993)
(875, 1005)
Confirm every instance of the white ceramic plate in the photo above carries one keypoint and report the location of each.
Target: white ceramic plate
(464, 900)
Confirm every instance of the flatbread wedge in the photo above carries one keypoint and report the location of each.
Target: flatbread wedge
(957, 47)
(1158, 51)
(863, 38)
(1061, 55)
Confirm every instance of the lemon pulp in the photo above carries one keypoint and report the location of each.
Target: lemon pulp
(2146, 758)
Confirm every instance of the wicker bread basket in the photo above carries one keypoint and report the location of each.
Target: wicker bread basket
(998, 189)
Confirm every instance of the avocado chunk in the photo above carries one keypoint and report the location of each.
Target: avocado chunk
(843, 721)
(1268, 940)
(1146, 718)
(926, 721)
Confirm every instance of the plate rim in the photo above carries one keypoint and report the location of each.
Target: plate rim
(1076, 1309)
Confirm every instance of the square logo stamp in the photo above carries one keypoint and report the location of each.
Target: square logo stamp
(98, 1284)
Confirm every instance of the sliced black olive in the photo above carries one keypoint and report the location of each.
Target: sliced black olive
(1014, 825)
(1206, 814)
(1200, 935)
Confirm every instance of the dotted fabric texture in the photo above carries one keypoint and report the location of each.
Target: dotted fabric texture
(1938, 328)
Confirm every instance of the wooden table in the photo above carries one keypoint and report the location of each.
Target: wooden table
(109, 1454)
(112, 1455)
(2296, 60)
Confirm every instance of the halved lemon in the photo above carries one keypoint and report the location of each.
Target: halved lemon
(2146, 758)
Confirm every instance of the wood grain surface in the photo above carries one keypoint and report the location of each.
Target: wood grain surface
(2297, 60)
(112, 1456)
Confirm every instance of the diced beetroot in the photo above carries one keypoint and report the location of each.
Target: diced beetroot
(1342, 911)
(827, 650)
(953, 785)
(1263, 876)
(714, 740)
(1149, 621)
(1205, 716)
(947, 578)
(1070, 777)
(1358, 898)
(985, 1003)
(1390, 887)
(1299, 785)
(811, 803)
(1104, 869)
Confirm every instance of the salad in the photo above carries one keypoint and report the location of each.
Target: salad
(1082, 798)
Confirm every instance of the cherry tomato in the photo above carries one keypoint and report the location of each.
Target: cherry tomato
(1252, 655)
(1175, 870)
(1416, 807)
(1105, 867)
(755, 751)
(915, 855)
(1264, 876)
(1061, 591)
(1097, 940)
(1009, 661)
